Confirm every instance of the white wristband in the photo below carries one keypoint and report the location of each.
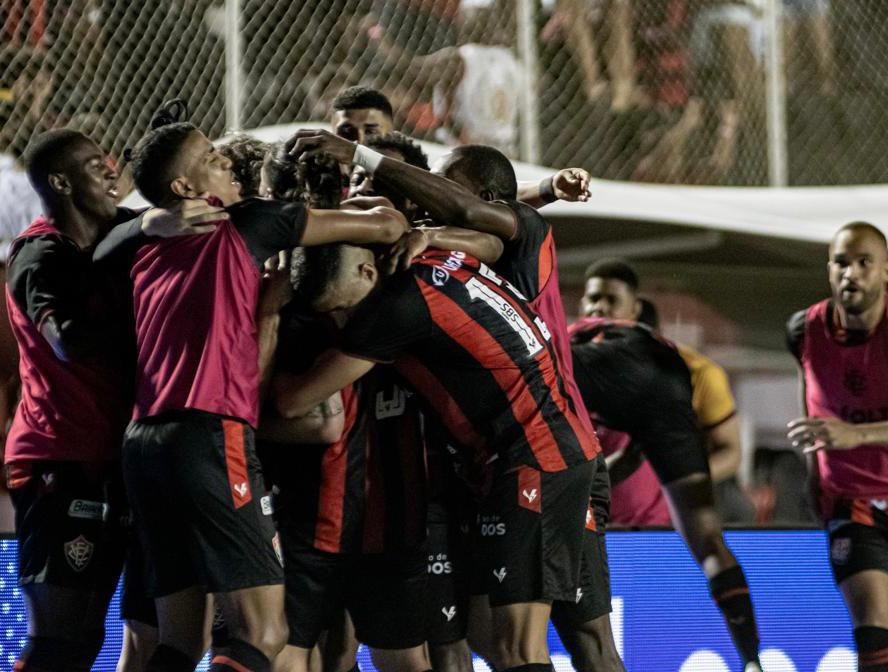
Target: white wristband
(367, 159)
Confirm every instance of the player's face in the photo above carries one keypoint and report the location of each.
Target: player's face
(358, 125)
(610, 298)
(206, 170)
(361, 184)
(92, 181)
(858, 270)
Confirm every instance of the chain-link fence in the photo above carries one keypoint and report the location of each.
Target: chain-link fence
(673, 91)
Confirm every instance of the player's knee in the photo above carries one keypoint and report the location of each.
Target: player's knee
(273, 636)
(53, 653)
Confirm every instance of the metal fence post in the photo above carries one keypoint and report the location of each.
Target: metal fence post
(775, 77)
(233, 79)
(527, 52)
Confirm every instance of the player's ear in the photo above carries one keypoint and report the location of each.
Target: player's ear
(369, 272)
(59, 183)
(636, 309)
(487, 195)
(181, 188)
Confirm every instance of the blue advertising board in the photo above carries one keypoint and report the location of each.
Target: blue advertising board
(663, 618)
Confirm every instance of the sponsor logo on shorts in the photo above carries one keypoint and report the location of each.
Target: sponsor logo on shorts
(840, 550)
(241, 489)
(79, 552)
(83, 508)
(500, 574)
(493, 529)
(276, 544)
(449, 612)
(531, 495)
(579, 595)
(265, 503)
(439, 567)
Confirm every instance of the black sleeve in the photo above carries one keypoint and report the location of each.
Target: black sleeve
(389, 321)
(124, 239)
(48, 276)
(269, 226)
(795, 333)
(520, 261)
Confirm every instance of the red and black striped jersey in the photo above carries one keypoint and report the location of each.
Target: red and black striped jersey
(482, 360)
(366, 493)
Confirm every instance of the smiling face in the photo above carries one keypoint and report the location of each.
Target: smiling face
(87, 178)
(858, 270)
(203, 169)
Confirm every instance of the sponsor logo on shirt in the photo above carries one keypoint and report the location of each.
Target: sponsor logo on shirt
(267, 507)
(390, 407)
(530, 496)
(83, 508)
(441, 274)
(79, 552)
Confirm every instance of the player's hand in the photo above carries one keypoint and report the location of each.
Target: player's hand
(405, 250)
(309, 142)
(276, 289)
(187, 217)
(813, 434)
(571, 184)
(393, 226)
(365, 203)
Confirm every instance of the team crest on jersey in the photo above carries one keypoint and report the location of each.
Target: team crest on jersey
(79, 552)
(855, 381)
(840, 550)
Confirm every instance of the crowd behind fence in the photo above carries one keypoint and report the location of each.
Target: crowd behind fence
(670, 91)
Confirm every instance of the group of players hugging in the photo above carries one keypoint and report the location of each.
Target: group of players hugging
(319, 394)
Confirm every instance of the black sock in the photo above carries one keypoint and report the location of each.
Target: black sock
(532, 667)
(731, 594)
(238, 656)
(872, 648)
(356, 668)
(169, 659)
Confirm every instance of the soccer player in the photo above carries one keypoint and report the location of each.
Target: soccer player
(841, 344)
(62, 452)
(246, 155)
(360, 113)
(482, 362)
(197, 395)
(683, 470)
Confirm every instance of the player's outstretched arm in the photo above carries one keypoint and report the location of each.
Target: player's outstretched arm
(297, 395)
(568, 184)
(725, 450)
(325, 423)
(813, 434)
(376, 225)
(445, 200)
(482, 246)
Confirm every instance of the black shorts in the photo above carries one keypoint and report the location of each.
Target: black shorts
(382, 593)
(529, 530)
(135, 603)
(199, 504)
(447, 595)
(594, 596)
(69, 524)
(858, 538)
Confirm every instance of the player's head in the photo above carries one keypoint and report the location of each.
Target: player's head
(336, 277)
(68, 169)
(485, 171)
(858, 267)
(317, 182)
(175, 160)
(246, 155)
(360, 112)
(649, 314)
(397, 146)
(611, 291)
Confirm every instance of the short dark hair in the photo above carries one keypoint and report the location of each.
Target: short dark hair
(155, 155)
(405, 146)
(488, 169)
(318, 181)
(320, 267)
(363, 98)
(863, 227)
(246, 154)
(649, 314)
(46, 153)
(613, 269)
